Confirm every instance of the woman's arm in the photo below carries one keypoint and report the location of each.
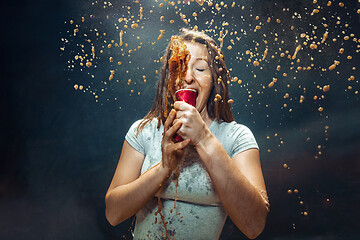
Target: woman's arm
(129, 192)
(239, 183)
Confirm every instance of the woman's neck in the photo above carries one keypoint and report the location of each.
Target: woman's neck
(205, 116)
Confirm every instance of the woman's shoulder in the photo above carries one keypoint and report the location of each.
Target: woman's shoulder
(145, 124)
(139, 136)
(232, 130)
(235, 137)
(230, 126)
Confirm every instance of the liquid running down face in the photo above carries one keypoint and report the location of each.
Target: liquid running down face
(178, 65)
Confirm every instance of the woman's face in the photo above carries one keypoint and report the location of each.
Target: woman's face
(198, 75)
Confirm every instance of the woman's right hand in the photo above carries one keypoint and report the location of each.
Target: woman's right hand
(172, 152)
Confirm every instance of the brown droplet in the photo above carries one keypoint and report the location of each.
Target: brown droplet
(326, 88)
(332, 67)
(161, 34)
(296, 51)
(121, 36)
(134, 25)
(313, 46)
(326, 34)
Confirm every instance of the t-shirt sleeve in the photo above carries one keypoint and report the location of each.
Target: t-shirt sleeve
(136, 141)
(243, 140)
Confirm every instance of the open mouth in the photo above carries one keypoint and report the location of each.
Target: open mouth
(186, 89)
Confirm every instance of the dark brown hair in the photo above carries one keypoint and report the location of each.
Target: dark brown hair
(218, 109)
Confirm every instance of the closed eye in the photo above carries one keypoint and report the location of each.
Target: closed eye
(200, 69)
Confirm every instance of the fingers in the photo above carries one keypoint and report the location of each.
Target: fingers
(181, 145)
(169, 120)
(170, 132)
(181, 106)
(176, 120)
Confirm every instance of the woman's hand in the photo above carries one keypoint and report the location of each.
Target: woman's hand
(172, 152)
(193, 126)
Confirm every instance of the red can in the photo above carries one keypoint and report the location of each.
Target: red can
(188, 96)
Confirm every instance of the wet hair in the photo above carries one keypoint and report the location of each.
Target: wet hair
(218, 109)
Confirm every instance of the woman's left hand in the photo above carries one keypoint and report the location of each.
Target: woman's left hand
(193, 126)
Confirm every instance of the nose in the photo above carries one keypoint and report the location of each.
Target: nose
(189, 78)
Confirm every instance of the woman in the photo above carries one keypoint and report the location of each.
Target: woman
(214, 172)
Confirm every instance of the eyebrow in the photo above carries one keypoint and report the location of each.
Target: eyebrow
(205, 60)
(201, 59)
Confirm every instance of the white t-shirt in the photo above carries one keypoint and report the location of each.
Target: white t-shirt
(198, 213)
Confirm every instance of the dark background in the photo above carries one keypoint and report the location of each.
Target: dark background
(59, 148)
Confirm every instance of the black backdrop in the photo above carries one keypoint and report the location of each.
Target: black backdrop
(59, 149)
